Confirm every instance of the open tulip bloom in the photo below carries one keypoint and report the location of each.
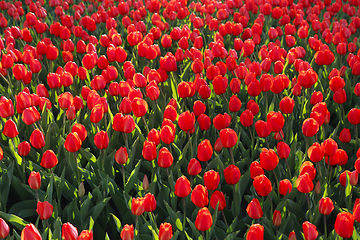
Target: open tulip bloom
(146, 119)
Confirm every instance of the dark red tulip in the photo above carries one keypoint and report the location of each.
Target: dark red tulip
(44, 209)
(10, 129)
(199, 196)
(69, 232)
(199, 108)
(101, 140)
(30, 232)
(37, 139)
(254, 210)
(354, 116)
(256, 232)
(73, 142)
(315, 152)
(262, 185)
(277, 218)
(211, 179)
(218, 198)
(182, 187)
(310, 231)
(255, 170)
(203, 220)
(345, 135)
(344, 224)
(34, 180)
(204, 151)
(165, 231)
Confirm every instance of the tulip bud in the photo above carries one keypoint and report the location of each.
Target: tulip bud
(292, 236)
(44, 209)
(4, 229)
(121, 155)
(318, 188)
(145, 183)
(277, 218)
(34, 180)
(81, 190)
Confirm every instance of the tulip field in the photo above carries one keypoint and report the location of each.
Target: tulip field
(179, 119)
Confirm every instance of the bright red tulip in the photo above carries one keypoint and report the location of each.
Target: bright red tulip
(268, 159)
(69, 232)
(276, 121)
(121, 155)
(211, 179)
(165, 158)
(24, 148)
(262, 128)
(101, 140)
(86, 235)
(310, 231)
(80, 130)
(72, 142)
(194, 167)
(326, 206)
(186, 121)
(262, 185)
(304, 183)
(127, 233)
(49, 159)
(30, 232)
(344, 224)
(139, 107)
(232, 174)
(165, 231)
(204, 151)
(4, 229)
(10, 129)
(345, 135)
(310, 127)
(182, 187)
(256, 232)
(44, 209)
(228, 137)
(199, 196)
(203, 220)
(254, 210)
(149, 202)
(34, 180)
(149, 151)
(285, 187)
(218, 198)
(137, 206)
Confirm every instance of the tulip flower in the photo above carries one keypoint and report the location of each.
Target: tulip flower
(285, 187)
(127, 233)
(80, 130)
(304, 183)
(211, 179)
(218, 198)
(10, 129)
(30, 232)
(254, 210)
(4, 229)
(49, 159)
(86, 235)
(73, 142)
(121, 155)
(137, 206)
(149, 151)
(344, 224)
(194, 167)
(165, 231)
(262, 185)
(232, 174)
(149, 202)
(69, 232)
(1, 154)
(182, 187)
(310, 127)
(310, 231)
(24, 148)
(44, 209)
(203, 220)
(101, 140)
(204, 151)
(199, 196)
(37, 139)
(256, 232)
(165, 158)
(268, 159)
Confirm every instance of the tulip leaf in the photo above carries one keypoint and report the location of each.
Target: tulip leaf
(173, 217)
(87, 155)
(95, 211)
(18, 222)
(194, 229)
(49, 190)
(133, 177)
(232, 236)
(117, 222)
(14, 153)
(24, 208)
(91, 223)
(355, 235)
(348, 186)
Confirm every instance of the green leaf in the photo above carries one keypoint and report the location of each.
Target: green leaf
(348, 186)
(173, 217)
(14, 153)
(19, 223)
(133, 177)
(98, 208)
(91, 223)
(194, 229)
(117, 222)
(232, 235)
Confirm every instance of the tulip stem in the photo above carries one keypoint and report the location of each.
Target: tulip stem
(232, 155)
(191, 148)
(123, 173)
(325, 227)
(227, 226)
(356, 138)
(308, 201)
(102, 160)
(276, 179)
(289, 169)
(146, 126)
(203, 235)
(184, 206)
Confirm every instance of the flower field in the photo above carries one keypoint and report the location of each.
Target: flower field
(159, 119)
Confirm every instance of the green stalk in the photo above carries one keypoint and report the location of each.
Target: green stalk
(184, 206)
(191, 148)
(308, 201)
(232, 155)
(325, 227)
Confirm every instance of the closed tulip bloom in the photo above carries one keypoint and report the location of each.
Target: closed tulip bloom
(44, 209)
(6, 108)
(4, 229)
(165, 158)
(149, 151)
(137, 206)
(34, 180)
(254, 210)
(211, 179)
(1, 154)
(203, 220)
(277, 218)
(204, 122)
(165, 231)
(69, 232)
(30, 232)
(268, 159)
(80, 130)
(218, 198)
(149, 202)
(24, 148)
(262, 185)
(97, 113)
(356, 210)
(342, 177)
(283, 150)
(315, 152)
(292, 236)
(247, 118)
(182, 187)
(304, 183)
(86, 235)
(276, 121)
(287, 105)
(285, 187)
(204, 151)
(262, 128)
(222, 121)
(72, 142)
(256, 232)
(345, 135)
(228, 137)
(10, 129)
(49, 159)
(101, 140)
(310, 127)
(344, 224)
(139, 107)
(186, 121)
(234, 104)
(127, 233)
(354, 116)
(329, 147)
(194, 167)
(121, 155)
(220, 84)
(37, 139)
(326, 206)
(310, 231)
(255, 170)
(232, 174)
(167, 134)
(199, 196)
(308, 167)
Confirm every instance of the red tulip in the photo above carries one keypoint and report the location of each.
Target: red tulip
(262, 129)
(121, 155)
(165, 158)
(24, 148)
(256, 232)
(268, 159)
(30, 232)
(287, 105)
(329, 147)
(182, 187)
(10, 129)
(326, 206)
(204, 151)
(254, 210)
(308, 167)
(165, 231)
(218, 198)
(137, 206)
(127, 233)
(101, 140)
(204, 122)
(86, 235)
(186, 121)
(4, 229)
(222, 121)
(247, 118)
(309, 230)
(234, 104)
(315, 152)
(199, 196)
(356, 210)
(285, 187)
(72, 142)
(292, 236)
(97, 113)
(283, 150)
(345, 135)
(262, 185)
(344, 224)
(304, 183)
(277, 218)
(276, 121)
(149, 202)
(69, 232)
(167, 134)
(310, 127)
(44, 209)
(232, 174)
(354, 116)
(255, 170)
(149, 151)
(80, 130)
(6, 107)
(203, 220)
(49, 159)
(34, 180)
(211, 179)
(199, 108)
(228, 137)
(194, 167)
